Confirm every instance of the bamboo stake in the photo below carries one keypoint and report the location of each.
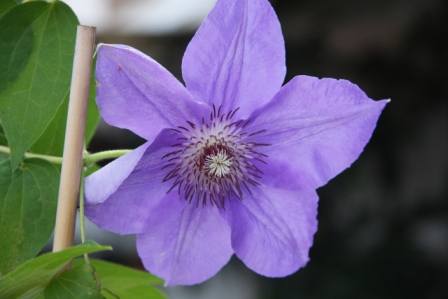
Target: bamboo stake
(74, 139)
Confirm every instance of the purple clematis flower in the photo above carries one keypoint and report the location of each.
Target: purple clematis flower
(233, 159)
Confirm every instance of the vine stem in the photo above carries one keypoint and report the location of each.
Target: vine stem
(92, 158)
(81, 214)
(88, 158)
(52, 159)
(72, 162)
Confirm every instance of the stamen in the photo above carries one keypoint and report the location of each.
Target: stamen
(183, 128)
(214, 161)
(191, 124)
(219, 164)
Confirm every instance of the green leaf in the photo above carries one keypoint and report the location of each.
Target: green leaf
(36, 55)
(126, 282)
(77, 283)
(30, 279)
(28, 200)
(3, 140)
(51, 142)
(6, 5)
(3, 157)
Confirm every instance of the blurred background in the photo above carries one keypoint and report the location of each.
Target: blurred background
(383, 223)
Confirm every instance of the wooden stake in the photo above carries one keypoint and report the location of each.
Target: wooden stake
(74, 139)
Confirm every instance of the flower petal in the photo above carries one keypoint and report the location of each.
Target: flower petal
(237, 56)
(136, 93)
(316, 128)
(272, 229)
(128, 195)
(188, 249)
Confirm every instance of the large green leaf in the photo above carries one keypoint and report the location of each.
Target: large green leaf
(3, 157)
(3, 140)
(28, 200)
(51, 142)
(36, 55)
(126, 282)
(77, 283)
(30, 279)
(6, 5)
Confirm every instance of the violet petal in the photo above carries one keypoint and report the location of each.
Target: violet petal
(316, 128)
(237, 56)
(272, 229)
(188, 249)
(124, 197)
(136, 93)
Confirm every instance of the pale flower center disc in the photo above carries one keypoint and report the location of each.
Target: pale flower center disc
(218, 164)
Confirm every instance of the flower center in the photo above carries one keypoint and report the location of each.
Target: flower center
(218, 164)
(214, 161)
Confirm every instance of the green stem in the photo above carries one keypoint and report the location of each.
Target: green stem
(92, 158)
(82, 222)
(81, 213)
(52, 159)
(88, 158)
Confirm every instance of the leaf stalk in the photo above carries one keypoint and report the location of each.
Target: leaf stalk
(87, 158)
